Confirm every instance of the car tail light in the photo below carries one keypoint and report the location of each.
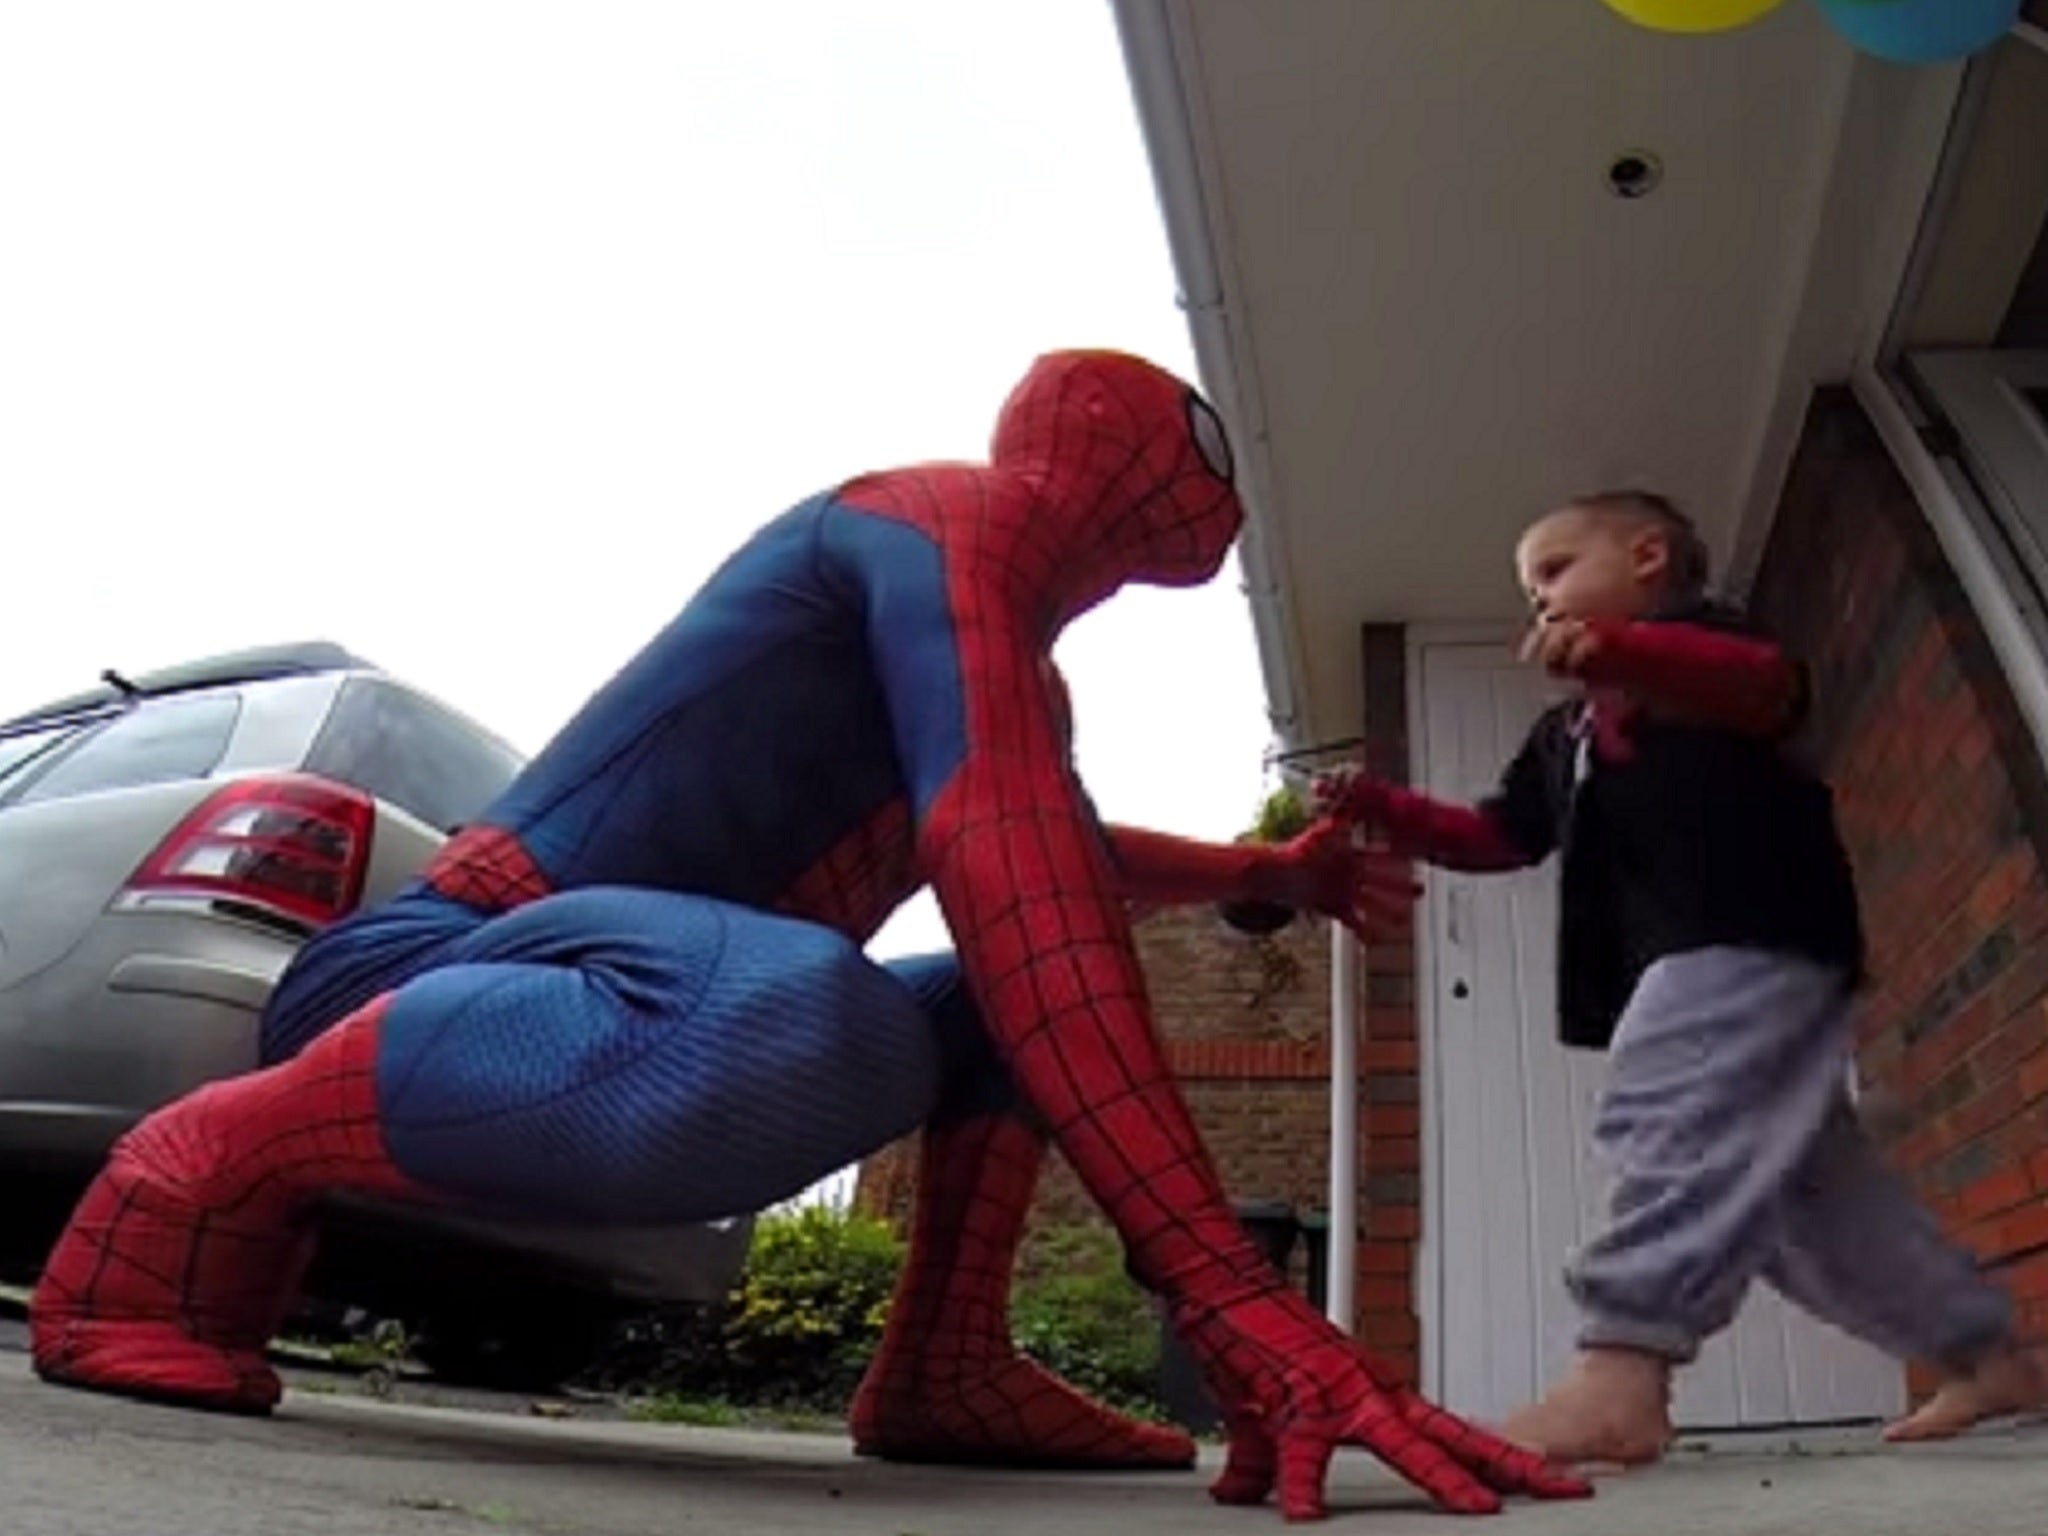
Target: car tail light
(284, 843)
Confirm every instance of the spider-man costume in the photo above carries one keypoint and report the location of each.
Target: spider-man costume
(633, 989)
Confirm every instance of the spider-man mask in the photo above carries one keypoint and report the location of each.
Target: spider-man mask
(1131, 465)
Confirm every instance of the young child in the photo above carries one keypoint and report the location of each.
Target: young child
(1710, 941)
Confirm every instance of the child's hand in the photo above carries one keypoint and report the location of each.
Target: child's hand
(1349, 794)
(1563, 647)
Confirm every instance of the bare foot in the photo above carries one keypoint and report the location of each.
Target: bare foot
(2007, 1383)
(1612, 1408)
(1009, 1411)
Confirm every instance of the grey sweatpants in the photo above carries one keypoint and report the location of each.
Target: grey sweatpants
(1735, 1151)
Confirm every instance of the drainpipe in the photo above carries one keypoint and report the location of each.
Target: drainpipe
(1340, 1293)
(1228, 374)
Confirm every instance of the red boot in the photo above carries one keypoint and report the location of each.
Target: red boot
(947, 1384)
(185, 1254)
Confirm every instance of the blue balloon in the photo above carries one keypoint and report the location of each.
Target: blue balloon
(1922, 31)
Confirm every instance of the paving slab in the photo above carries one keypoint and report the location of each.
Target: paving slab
(330, 1463)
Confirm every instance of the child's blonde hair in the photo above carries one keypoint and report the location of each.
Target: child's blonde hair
(1691, 564)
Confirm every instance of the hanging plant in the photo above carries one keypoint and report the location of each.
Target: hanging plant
(1282, 817)
(1279, 971)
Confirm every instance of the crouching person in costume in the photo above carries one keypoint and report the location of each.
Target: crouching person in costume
(634, 990)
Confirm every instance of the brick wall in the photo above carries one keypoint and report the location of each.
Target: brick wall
(1390, 1096)
(1944, 806)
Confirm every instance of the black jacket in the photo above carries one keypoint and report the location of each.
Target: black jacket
(1699, 837)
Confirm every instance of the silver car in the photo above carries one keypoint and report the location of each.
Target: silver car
(166, 843)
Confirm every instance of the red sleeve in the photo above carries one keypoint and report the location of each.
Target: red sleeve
(1178, 871)
(1704, 675)
(1459, 837)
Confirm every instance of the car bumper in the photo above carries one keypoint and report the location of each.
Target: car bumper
(145, 1009)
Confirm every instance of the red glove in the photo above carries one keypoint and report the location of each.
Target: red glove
(1414, 826)
(1321, 871)
(1326, 871)
(1294, 1396)
(1702, 676)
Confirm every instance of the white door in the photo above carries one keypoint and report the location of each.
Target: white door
(1509, 1185)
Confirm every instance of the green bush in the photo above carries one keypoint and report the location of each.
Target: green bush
(793, 1335)
(808, 1311)
(1075, 1310)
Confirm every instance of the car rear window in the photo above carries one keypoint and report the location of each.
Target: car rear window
(18, 751)
(408, 750)
(155, 742)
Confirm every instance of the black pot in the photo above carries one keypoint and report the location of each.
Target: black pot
(1257, 918)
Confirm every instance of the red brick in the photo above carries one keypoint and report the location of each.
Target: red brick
(2024, 1229)
(1383, 1221)
(1919, 1149)
(2028, 1278)
(1380, 1294)
(1390, 1330)
(1394, 1120)
(1956, 1039)
(2013, 1143)
(1983, 1240)
(2030, 917)
(1391, 1154)
(2033, 1078)
(1389, 1056)
(2000, 885)
(1995, 1192)
(1992, 1105)
(2011, 1043)
(1386, 1259)
(1390, 958)
(1390, 1023)
(1399, 1365)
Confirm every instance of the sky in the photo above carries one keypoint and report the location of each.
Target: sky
(473, 334)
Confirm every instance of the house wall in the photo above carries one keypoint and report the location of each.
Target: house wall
(1944, 805)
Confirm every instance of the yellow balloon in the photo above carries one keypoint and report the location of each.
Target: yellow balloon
(1693, 15)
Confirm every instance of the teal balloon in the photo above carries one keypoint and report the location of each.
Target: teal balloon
(1922, 31)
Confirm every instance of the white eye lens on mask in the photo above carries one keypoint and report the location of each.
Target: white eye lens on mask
(1211, 441)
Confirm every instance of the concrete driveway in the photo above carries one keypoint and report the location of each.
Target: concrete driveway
(332, 1463)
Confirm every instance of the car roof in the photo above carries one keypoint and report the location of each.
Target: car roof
(257, 664)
